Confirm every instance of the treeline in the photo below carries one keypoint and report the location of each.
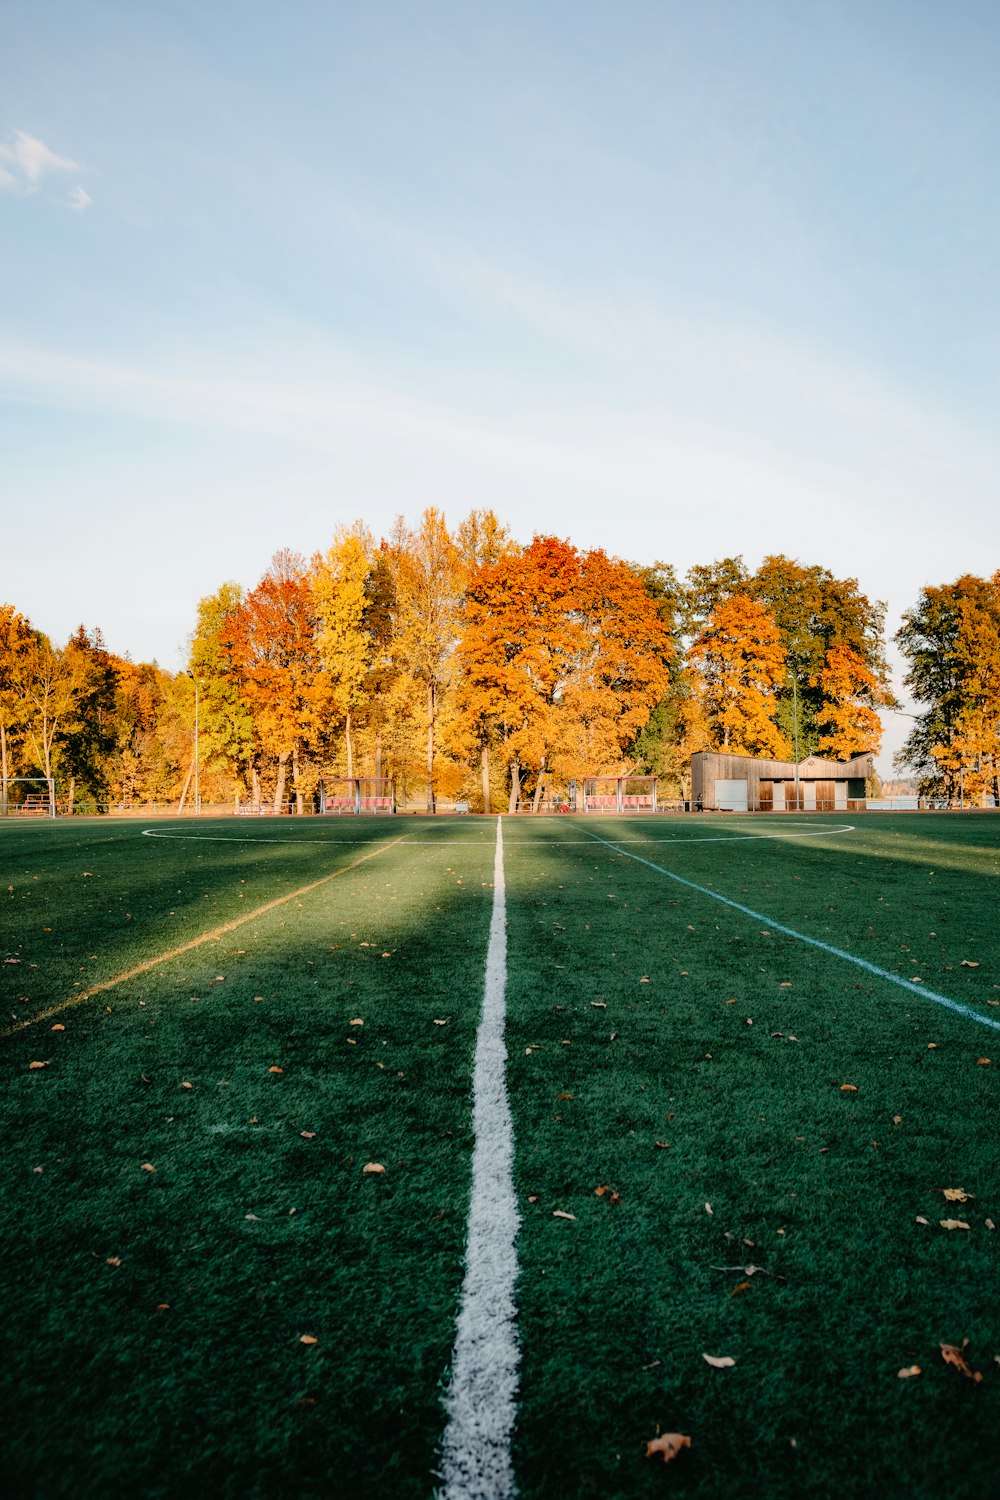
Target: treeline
(465, 664)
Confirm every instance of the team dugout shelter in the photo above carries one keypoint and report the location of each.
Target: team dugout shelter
(743, 783)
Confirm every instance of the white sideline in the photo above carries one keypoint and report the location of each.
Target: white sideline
(476, 1459)
(803, 937)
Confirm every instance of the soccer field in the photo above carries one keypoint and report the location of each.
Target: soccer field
(752, 1074)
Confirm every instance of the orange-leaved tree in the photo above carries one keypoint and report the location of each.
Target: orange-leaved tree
(850, 692)
(736, 665)
(272, 647)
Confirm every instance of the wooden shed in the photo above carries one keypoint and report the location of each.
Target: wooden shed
(721, 782)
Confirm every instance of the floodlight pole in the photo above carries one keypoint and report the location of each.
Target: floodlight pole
(197, 792)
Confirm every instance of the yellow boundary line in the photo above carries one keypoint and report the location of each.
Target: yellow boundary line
(206, 937)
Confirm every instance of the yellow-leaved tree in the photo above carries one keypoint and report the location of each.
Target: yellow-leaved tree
(736, 665)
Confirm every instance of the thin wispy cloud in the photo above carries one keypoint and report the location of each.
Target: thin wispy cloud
(25, 161)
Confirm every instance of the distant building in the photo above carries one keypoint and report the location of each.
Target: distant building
(742, 783)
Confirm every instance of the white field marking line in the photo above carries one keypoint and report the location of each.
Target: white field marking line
(206, 937)
(778, 836)
(476, 1461)
(803, 937)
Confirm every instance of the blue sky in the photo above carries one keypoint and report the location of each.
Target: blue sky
(680, 281)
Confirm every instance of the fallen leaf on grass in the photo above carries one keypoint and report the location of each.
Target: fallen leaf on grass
(37, 1065)
(953, 1224)
(932, 1046)
(709, 1209)
(373, 1166)
(897, 1119)
(663, 1145)
(908, 1372)
(356, 1022)
(308, 1135)
(848, 1088)
(186, 1085)
(275, 1070)
(58, 1026)
(921, 1220)
(669, 1444)
(147, 1166)
(557, 1213)
(113, 1260)
(968, 963)
(564, 1096)
(719, 1361)
(956, 1195)
(254, 1218)
(741, 1286)
(954, 1356)
(983, 1062)
(599, 1004)
(989, 1224)
(308, 1338)
(439, 1023)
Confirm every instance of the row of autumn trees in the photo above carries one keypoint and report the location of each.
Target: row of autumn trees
(467, 665)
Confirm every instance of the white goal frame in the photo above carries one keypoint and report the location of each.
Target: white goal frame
(354, 796)
(614, 794)
(20, 810)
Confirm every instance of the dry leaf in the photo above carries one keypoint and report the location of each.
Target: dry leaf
(373, 1166)
(58, 1026)
(440, 1023)
(932, 1046)
(910, 1371)
(37, 1065)
(669, 1444)
(557, 1213)
(719, 1361)
(989, 1224)
(113, 1260)
(254, 1218)
(953, 1356)
(956, 1195)
(275, 1070)
(983, 1062)
(709, 1209)
(968, 963)
(848, 1088)
(663, 1145)
(307, 1338)
(953, 1224)
(897, 1119)
(356, 1022)
(741, 1286)
(147, 1166)
(921, 1220)
(187, 1085)
(308, 1135)
(599, 1004)
(564, 1096)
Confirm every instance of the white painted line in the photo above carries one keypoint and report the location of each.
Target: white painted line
(478, 836)
(802, 937)
(476, 1461)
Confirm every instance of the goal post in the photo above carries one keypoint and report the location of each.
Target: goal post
(27, 796)
(357, 795)
(614, 794)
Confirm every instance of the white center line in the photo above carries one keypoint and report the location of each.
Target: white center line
(476, 1459)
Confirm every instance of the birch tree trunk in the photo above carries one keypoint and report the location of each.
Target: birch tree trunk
(538, 788)
(430, 746)
(485, 771)
(279, 787)
(515, 786)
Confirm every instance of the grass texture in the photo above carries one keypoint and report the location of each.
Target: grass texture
(682, 1055)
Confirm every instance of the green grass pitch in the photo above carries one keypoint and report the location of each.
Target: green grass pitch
(234, 1020)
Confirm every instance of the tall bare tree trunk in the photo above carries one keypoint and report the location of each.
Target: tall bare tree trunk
(295, 781)
(538, 787)
(3, 770)
(485, 770)
(378, 754)
(430, 746)
(350, 749)
(279, 786)
(184, 789)
(515, 785)
(255, 786)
